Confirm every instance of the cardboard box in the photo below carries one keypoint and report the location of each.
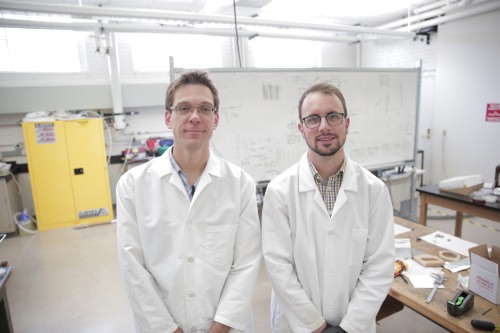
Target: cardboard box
(484, 278)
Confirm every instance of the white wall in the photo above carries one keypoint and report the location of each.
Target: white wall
(461, 71)
(468, 78)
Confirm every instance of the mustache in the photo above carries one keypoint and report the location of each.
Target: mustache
(325, 135)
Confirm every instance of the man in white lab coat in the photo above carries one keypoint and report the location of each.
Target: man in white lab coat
(327, 229)
(188, 231)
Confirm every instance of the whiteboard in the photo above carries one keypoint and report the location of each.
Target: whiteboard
(259, 116)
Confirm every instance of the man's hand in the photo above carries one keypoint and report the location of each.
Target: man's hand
(219, 328)
(321, 328)
(178, 330)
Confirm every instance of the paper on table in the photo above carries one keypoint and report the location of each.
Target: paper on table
(449, 242)
(457, 266)
(420, 276)
(399, 229)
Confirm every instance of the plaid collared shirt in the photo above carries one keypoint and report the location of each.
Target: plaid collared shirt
(329, 188)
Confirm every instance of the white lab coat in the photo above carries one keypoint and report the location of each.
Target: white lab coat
(337, 268)
(188, 263)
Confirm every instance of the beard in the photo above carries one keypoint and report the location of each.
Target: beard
(328, 150)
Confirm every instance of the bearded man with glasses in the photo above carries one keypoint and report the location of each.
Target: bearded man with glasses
(327, 229)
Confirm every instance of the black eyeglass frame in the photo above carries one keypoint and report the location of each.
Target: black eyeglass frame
(329, 120)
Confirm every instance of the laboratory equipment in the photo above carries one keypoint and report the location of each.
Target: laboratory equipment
(68, 172)
(10, 203)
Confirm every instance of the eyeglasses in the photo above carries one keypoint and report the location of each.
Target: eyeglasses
(333, 119)
(184, 110)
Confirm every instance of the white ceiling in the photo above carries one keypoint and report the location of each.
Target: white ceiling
(364, 12)
(348, 20)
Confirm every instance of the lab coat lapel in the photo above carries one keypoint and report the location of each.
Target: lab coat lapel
(163, 168)
(307, 184)
(349, 185)
(306, 180)
(212, 169)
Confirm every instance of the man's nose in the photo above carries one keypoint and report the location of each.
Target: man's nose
(323, 123)
(195, 113)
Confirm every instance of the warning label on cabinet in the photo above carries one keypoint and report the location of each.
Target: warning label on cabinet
(86, 214)
(493, 112)
(45, 133)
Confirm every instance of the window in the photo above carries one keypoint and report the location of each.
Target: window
(284, 53)
(38, 50)
(151, 52)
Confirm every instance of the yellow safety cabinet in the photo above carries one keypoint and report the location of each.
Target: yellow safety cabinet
(68, 172)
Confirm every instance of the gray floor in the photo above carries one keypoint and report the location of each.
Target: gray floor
(67, 280)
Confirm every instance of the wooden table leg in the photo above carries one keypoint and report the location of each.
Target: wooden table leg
(459, 217)
(423, 209)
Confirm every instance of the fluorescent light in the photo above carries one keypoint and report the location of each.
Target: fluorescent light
(333, 8)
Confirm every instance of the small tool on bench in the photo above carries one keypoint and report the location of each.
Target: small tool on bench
(438, 280)
(484, 325)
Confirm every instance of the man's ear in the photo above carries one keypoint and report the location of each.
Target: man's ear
(168, 119)
(216, 120)
(301, 129)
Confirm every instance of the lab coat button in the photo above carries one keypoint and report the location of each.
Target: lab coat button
(193, 329)
(190, 259)
(192, 295)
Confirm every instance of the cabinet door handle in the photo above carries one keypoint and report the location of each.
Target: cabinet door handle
(78, 171)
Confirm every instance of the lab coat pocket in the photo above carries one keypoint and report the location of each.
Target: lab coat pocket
(358, 246)
(220, 244)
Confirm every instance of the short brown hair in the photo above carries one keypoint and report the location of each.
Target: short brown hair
(192, 77)
(324, 88)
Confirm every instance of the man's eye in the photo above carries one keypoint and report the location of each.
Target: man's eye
(183, 108)
(205, 109)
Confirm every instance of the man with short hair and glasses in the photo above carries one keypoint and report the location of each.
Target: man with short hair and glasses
(327, 229)
(188, 231)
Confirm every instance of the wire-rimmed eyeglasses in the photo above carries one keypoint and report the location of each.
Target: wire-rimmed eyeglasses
(184, 109)
(333, 119)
